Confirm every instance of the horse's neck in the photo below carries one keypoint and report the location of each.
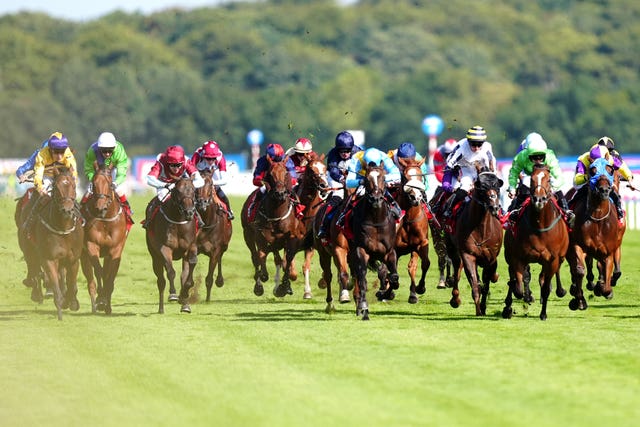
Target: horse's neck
(274, 207)
(375, 214)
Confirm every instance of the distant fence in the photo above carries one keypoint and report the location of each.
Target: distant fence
(240, 180)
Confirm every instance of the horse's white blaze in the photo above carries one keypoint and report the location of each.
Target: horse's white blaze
(375, 175)
(539, 177)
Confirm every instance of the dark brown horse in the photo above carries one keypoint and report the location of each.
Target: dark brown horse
(276, 227)
(412, 237)
(596, 234)
(105, 234)
(171, 235)
(54, 244)
(215, 234)
(439, 241)
(374, 239)
(477, 239)
(539, 236)
(311, 191)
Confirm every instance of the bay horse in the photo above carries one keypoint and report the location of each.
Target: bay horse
(539, 236)
(476, 240)
(54, 244)
(374, 239)
(311, 191)
(215, 234)
(412, 237)
(171, 235)
(105, 234)
(596, 234)
(276, 227)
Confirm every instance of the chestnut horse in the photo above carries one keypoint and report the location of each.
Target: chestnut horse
(171, 235)
(596, 234)
(311, 191)
(539, 236)
(215, 234)
(412, 237)
(476, 240)
(276, 227)
(105, 234)
(374, 239)
(54, 243)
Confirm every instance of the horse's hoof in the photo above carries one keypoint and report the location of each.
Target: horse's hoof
(365, 314)
(573, 304)
(107, 309)
(28, 282)
(74, 304)
(454, 303)
(36, 297)
(609, 295)
(330, 308)
(441, 285)
(394, 281)
(48, 294)
(219, 283)
(529, 298)
(173, 297)
(307, 295)
(507, 313)
(543, 316)
(413, 299)
(289, 291)
(615, 277)
(590, 286)
(344, 297)
(264, 277)
(100, 305)
(258, 289)
(421, 289)
(279, 292)
(185, 309)
(561, 292)
(322, 284)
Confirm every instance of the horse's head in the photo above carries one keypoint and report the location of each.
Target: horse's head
(601, 178)
(540, 186)
(374, 183)
(278, 180)
(412, 180)
(487, 191)
(183, 195)
(205, 194)
(102, 188)
(63, 191)
(315, 175)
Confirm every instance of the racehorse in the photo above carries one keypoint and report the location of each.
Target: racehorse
(596, 234)
(374, 239)
(105, 234)
(215, 234)
(276, 227)
(171, 235)
(311, 191)
(477, 239)
(539, 236)
(55, 242)
(412, 237)
(439, 241)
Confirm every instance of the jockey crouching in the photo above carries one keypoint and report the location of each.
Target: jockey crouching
(356, 176)
(209, 157)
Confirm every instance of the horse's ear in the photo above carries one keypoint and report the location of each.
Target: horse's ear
(402, 162)
(321, 158)
(500, 183)
(421, 162)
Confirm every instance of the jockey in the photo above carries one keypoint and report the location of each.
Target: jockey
(536, 153)
(209, 157)
(461, 171)
(21, 172)
(356, 176)
(108, 151)
(170, 166)
(581, 177)
(275, 152)
(56, 151)
(299, 155)
(338, 160)
(407, 150)
(440, 157)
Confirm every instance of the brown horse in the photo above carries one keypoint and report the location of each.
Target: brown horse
(412, 237)
(596, 234)
(276, 227)
(477, 239)
(214, 236)
(539, 236)
(171, 235)
(374, 239)
(54, 244)
(105, 234)
(311, 191)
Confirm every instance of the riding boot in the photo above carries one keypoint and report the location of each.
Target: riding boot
(35, 202)
(615, 197)
(452, 201)
(568, 213)
(149, 212)
(322, 232)
(395, 209)
(225, 200)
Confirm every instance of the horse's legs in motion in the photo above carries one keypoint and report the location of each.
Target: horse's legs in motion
(158, 269)
(488, 274)
(71, 294)
(52, 279)
(306, 269)
(471, 271)
(327, 277)
(109, 271)
(87, 270)
(186, 277)
(360, 270)
(527, 295)
(590, 276)
(209, 279)
(616, 267)
(576, 259)
(546, 275)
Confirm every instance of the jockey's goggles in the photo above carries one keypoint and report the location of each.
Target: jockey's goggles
(175, 165)
(537, 157)
(58, 150)
(106, 150)
(476, 144)
(209, 159)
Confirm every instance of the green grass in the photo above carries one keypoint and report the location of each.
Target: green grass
(246, 360)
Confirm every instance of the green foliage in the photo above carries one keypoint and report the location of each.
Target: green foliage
(566, 69)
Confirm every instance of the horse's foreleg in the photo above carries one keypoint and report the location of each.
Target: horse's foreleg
(456, 267)
(340, 261)
(209, 279)
(576, 259)
(308, 255)
(603, 287)
(110, 269)
(616, 267)
(548, 271)
(327, 277)
(411, 268)
(87, 270)
(360, 270)
(470, 270)
(487, 276)
(186, 277)
(52, 279)
(71, 294)
(158, 264)
(590, 276)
